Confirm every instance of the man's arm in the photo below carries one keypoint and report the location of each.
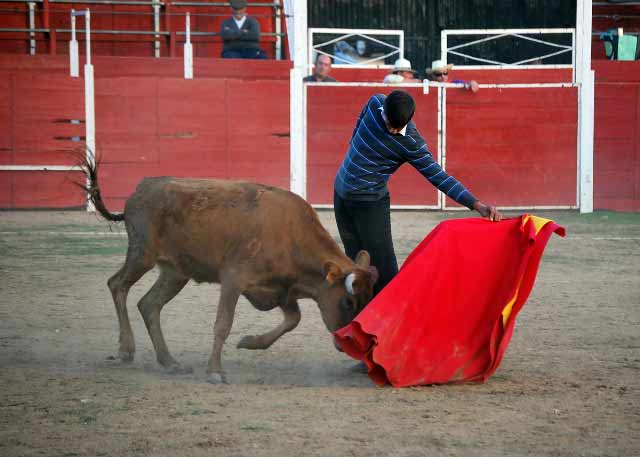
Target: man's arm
(251, 30)
(228, 31)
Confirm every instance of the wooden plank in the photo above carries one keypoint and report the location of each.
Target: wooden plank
(38, 189)
(616, 155)
(509, 154)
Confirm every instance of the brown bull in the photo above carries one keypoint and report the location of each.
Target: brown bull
(258, 241)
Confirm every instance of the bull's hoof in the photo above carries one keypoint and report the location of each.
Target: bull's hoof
(248, 342)
(125, 356)
(176, 368)
(217, 378)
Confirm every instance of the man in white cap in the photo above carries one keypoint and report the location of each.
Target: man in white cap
(401, 73)
(439, 72)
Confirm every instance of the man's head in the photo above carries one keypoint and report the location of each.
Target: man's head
(399, 107)
(239, 8)
(439, 71)
(403, 68)
(323, 66)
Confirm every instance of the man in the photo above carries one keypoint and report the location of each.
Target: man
(439, 72)
(241, 34)
(321, 70)
(401, 73)
(383, 139)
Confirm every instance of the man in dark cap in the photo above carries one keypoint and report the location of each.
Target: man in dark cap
(241, 34)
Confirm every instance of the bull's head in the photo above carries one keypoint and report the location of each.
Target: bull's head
(346, 292)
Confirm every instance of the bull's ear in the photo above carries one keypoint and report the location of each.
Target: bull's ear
(332, 272)
(363, 259)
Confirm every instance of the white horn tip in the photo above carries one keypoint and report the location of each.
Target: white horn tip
(348, 282)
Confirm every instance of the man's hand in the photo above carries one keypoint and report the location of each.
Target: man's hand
(487, 211)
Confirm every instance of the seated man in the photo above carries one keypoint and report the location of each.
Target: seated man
(439, 72)
(240, 34)
(321, 71)
(401, 73)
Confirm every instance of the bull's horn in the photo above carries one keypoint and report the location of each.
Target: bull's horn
(348, 282)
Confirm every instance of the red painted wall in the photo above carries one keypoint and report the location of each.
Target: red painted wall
(145, 126)
(150, 121)
(616, 148)
(514, 147)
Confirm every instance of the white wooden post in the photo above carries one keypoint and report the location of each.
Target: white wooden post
(298, 115)
(188, 51)
(32, 25)
(74, 65)
(89, 103)
(585, 77)
(156, 27)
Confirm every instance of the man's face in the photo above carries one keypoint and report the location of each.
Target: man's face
(406, 74)
(441, 76)
(323, 66)
(239, 13)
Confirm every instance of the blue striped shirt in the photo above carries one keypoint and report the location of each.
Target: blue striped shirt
(375, 154)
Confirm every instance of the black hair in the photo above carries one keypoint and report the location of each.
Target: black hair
(399, 107)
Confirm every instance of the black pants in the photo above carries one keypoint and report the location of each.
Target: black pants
(367, 225)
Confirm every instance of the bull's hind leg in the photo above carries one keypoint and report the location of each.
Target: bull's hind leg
(135, 266)
(167, 286)
(291, 313)
(224, 320)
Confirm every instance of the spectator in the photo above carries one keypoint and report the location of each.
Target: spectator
(383, 139)
(241, 34)
(439, 72)
(401, 73)
(321, 70)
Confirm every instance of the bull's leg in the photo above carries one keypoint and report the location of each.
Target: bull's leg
(224, 320)
(135, 266)
(167, 286)
(291, 318)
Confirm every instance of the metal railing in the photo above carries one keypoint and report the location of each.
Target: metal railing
(162, 25)
(345, 54)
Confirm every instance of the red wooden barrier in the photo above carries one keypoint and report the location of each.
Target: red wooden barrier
(36, 130)
(617, 136)
(219, 128)
(150, 121)
(145, 126)
(514, 147)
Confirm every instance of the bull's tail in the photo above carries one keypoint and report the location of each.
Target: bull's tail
(89, 162)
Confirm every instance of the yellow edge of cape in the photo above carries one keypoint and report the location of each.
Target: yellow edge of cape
(538, 223)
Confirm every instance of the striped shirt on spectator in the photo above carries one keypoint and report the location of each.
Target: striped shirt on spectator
(375, 154)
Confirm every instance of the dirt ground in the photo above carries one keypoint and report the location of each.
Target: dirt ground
(569, 384)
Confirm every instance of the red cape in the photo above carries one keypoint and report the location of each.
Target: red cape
(449, 314)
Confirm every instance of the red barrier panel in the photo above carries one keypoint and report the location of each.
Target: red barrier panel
(145, 126)
(218, 128)
(514, 147)
(506, 76)
(332, 113)
(36, 129)
(617, 136)
(41, 189)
